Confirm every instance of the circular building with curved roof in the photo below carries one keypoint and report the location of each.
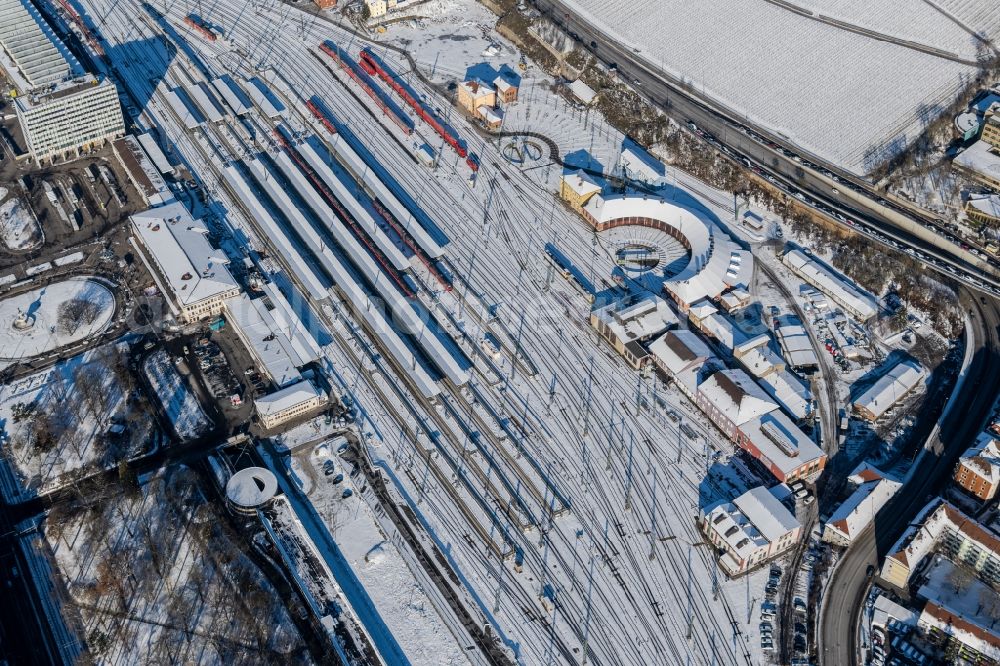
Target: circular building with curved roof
(715, 262)
(251, 488)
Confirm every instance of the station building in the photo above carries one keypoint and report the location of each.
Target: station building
(190, 273)
(753, 528)
(473, 94)
(292, 402)
(61, 110)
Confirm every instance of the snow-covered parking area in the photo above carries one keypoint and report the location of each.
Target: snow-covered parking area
(19, 229)
(50, 317)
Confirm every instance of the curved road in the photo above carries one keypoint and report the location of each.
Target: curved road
(848, 585)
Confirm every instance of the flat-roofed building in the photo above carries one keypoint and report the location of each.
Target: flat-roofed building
(751, 529)
(191, 274)
(781, 447)
(890, 388)
(836, 286)
(978, 470)
(274, 336)
(991, 131)
(981, 161)
(628, 323)
(140, 170)
(290, 403)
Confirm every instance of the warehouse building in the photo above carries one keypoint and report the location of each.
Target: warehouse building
(753, 528)
(61, 110)
(190, 273)
(892, 387)
(837, 287)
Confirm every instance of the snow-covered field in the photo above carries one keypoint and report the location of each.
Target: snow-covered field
(157, 578)
(848, 98)
(19, 229)
(59, 314)
(179, 403)
(55, 422)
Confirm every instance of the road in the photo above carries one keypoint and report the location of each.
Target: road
(841, 196)
(848, 585)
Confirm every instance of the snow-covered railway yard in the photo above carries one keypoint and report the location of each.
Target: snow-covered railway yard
(547, 472)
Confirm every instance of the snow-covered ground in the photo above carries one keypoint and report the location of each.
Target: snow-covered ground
(178, 401)
(57, 315)
(375, 558)
(55, 422)
(156, 579)
(848, 98)
(570, 515)
(19, 229)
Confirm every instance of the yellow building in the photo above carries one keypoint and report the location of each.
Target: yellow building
(991, 131)
(984, 209)
(576, 189)
(376, 8)
(474, 94)
(289, 403)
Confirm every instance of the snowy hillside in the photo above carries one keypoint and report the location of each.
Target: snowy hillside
(849, 98)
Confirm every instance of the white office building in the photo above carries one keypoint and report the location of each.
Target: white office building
(61, 110)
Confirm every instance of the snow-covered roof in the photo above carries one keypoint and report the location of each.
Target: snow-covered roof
(477, 88)
(761, 361)
(984, 457)
(734, 298)
(754, 342)
(37, 56)
(927, 528)
(152, 148)
(252, 486)
(716, 262)
(890, 388)
(193, 269)
(279, 345)
(980, 158)
(637, 320)
(701, 310)
(858, 511)
(886, 609)
(503, 85)
(791, 392)
(987, 204)
(722, 329)
(767, 514)
(834, 285)
(286, 398)
(582, 91)
(581, 182)
(676, 350)
(982, 640)
(491, 115)
(640, 165)
(780, 442)
(141, 171)
(736, 395)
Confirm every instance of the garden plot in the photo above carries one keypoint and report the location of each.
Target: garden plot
(775, 67)
(78, 415)
(159, 577)
(179, 404)
(19, 229)
(54, 316)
